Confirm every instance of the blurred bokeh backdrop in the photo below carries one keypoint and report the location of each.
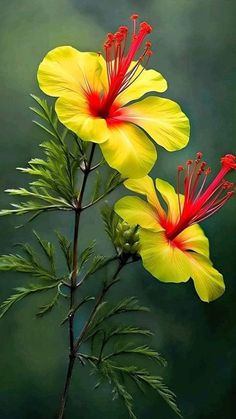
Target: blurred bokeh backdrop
(194, 47)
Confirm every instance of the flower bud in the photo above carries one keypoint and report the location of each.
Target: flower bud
(126, 238)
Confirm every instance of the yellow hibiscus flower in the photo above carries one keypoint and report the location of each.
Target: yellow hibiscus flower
(173, 247)
(94, 96)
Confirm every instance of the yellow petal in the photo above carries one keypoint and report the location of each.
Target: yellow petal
(164, 261)
(208, 282)
(64, 70)
(73, 112)
(136, 211)
(129, 151)
(147, 81)
(145, 186)
(162, 119)
(171, 198)
(193, 238)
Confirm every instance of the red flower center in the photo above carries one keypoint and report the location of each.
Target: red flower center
(200, 202)
(120, 51)
(97, 109)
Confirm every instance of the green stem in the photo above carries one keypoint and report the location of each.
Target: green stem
(73, 285)
(104, 291)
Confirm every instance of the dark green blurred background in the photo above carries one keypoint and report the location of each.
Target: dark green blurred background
(194, 45)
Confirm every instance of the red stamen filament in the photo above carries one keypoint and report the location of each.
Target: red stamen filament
(200, 202)
(118, 61)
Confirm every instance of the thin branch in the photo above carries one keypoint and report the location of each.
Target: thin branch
(101, 196)
(73, 286)
(104, 291)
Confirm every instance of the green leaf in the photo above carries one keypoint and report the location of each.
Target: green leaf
(106, 372)
(111, 220)
(85, 255)
(47, 113)
(110, 184)
(98, 263)
(54, 184)
(106, 311)
(66, 247)
(22, 293)
(97, 186)
(113, 180)
(45, 129)
(20, 264)
(144, 350)
(31, 263)
(126, 330)
(48, 249)
(143, 377)
(117, 374)
(45, 309)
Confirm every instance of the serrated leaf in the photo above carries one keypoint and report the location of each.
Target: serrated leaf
(105, 311)
(20, 264)
(22, 293)
(113, 180)
(86, 255)
(31, 263)
(98, 263)
(66, 247)
(113, 373)
(97, 186)
(107, 373)
(39, 113)
(48, 131)
(53, 187)
(144, 350)
(45, 309)
(110, 219)
(48, 250)
(127, 330)
(157, 384)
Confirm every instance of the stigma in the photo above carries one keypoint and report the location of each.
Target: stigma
(202, 198)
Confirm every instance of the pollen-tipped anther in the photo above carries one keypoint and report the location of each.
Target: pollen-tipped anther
(123, 66)
(227, 185)
(229, 161)
(201, 201)
(199, 155)
(145, 27)
(123, 30)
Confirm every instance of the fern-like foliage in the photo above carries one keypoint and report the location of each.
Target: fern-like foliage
(119, 376)
(119, 355)
(104, 186)
(111, 220)
(106, 311)
(41, 265)
(30, 262)
(55, 183)
(118, 361)
(22, 292)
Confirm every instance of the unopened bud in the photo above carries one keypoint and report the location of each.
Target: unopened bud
(126, 238)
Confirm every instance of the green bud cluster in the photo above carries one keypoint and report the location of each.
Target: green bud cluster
(127, 238)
